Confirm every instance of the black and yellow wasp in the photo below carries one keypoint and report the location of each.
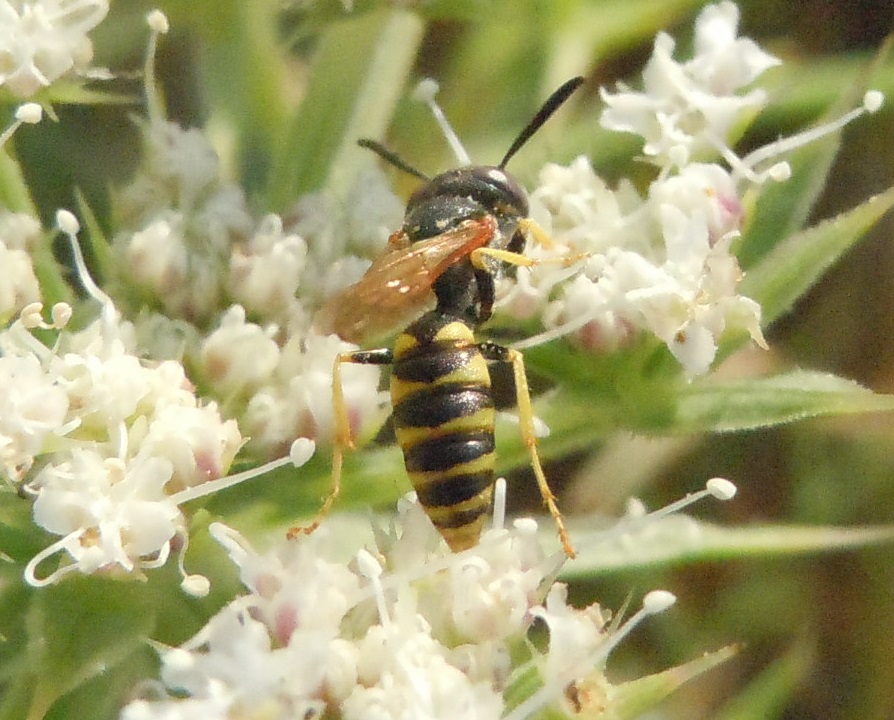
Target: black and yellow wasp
(457, 228)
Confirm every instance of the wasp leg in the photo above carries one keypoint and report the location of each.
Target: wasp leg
(532, 228)
(495, 352)
(342, 438)
(514, 258)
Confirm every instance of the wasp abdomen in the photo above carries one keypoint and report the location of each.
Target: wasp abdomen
(444, 422)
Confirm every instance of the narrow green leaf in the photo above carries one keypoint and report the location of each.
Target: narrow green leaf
(726, 406)
(98, 244)
(794, 265)
(53, 287)
(767, 696)
(14, 193)
(16, 197)
(668, 542)
(245, 73)
(360, 70)
(632, 699)
(679, 539)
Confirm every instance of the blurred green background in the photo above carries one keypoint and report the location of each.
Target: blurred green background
(816, 631)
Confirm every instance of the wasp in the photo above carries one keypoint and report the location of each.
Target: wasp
(458, 228)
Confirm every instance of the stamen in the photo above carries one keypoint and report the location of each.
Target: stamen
(425, 92)
(26, 114)
(298, 455)
(871, 102)
(658, 601)
(718, 488)
(61, 314)
(68, 224)
(499, 517)
(164, 552)
(370, 568)
(557, 332)
(30, 573)
(236, 546)
(158, 24)
(20, 335)
(30, 316)
(195, 585)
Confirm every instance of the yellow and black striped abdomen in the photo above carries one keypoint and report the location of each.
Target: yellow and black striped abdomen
(444, 421)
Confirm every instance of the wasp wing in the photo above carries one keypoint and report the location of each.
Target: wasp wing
(397, 286)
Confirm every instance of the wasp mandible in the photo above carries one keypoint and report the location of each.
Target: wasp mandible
(458, 227)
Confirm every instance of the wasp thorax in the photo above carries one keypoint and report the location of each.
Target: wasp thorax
(463, 194)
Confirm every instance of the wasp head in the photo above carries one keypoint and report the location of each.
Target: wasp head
(466, 193)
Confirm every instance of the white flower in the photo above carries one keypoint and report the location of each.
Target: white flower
(414, 679)
(266, 273)
(577, 209)
(238, 356)
(372, 212)
(40, 40)
(109, 512)
(342, 236)
(180, 223)
(574, 635)
(661, 264)
(157, 255)
(689, 107)
(18, 283)
(198, 443)
(33, 408)
(297, 399)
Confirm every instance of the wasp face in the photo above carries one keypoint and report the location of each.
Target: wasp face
(466, 193)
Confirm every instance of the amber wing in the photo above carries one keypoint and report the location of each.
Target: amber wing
(397, 286)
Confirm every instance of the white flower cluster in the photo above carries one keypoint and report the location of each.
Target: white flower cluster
(408, 630)
(182, 223)
(107, 444)
(660, 263)
(41, 40)
(195, 251)
(686, 108)
(285, 387)
(102, 441)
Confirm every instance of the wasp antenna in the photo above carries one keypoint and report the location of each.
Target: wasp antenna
(391, 157)
(553, 103)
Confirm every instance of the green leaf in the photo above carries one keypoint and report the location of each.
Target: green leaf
(679, 539)
(359, 72)
(245, 73)
(76, 631)
(632, 699)
(53, 286)
(768, 695)
(725, 406)
(14, 193)
(793, 266)
(97, 244)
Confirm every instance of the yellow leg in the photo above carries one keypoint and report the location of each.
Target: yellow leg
(529, 437)
(541, 237)
(513, 258)
(341, 441)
